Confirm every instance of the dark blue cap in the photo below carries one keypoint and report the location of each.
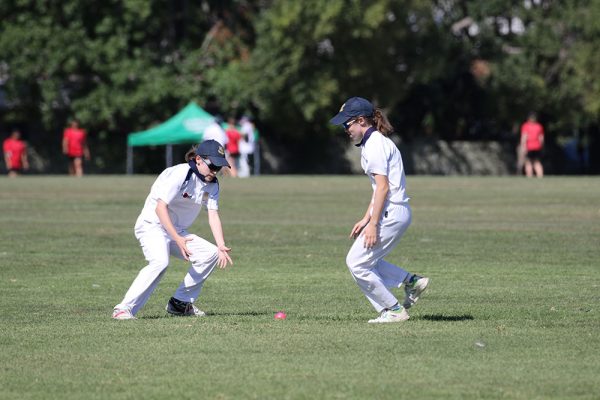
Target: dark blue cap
(214, 151)
(353, 107)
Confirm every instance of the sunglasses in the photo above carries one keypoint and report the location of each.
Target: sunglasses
(349, 123)
(210, 165)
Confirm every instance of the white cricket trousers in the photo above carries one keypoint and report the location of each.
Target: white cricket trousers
(157, 246)
(372, 273)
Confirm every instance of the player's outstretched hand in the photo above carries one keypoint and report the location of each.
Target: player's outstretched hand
(182, 244)
(224, 256)
(358, 227)
(370, 234)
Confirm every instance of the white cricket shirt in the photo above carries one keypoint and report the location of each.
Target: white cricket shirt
(215, 132)
(184, 200)
(379, 155)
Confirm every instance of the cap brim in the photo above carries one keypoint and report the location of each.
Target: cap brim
(219, 161)
(339, 119)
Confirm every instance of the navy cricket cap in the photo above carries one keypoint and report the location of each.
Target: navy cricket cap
(214, 151)
(353, 107)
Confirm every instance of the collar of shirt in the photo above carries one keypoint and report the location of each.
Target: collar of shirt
(366, 136)
(194, 170)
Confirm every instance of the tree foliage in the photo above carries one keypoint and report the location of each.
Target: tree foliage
(459, 69)
(544, 65)
(117, 66)
(313, 55)
(445, 68)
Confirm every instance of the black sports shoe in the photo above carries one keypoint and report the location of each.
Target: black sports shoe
(183, 308)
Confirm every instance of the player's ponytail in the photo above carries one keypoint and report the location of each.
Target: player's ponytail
(381, 122)
(191, 154)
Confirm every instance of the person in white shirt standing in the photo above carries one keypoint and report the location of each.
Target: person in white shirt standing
(214, 131)
(174, 203)
(387, 217)
(246, 146)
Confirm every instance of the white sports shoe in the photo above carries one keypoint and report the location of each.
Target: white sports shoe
(413, 292)
(182, 308)
(388, 316)
(122, 313)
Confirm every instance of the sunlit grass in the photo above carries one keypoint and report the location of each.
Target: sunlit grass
(512, 311)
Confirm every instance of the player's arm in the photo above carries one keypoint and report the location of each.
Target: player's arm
(65, 145)
(162, 211)
(86, 150)
(382, 189)
(217, 230)
(7, 156)
(25, 160)
(358, 227)
(523, 139)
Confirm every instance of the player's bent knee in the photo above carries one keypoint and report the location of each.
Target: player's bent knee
(350, 262)
(211, 254)
(358, 269)
(353, 263)
(158, 264)
(214, 255)
(202, 250)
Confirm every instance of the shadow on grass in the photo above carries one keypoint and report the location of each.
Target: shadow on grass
(446, 318)
(430, 317)
(212, 314)
(155, 316)
(239, 313)
(335, 317)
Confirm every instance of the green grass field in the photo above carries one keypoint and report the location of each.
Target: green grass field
(512, 311)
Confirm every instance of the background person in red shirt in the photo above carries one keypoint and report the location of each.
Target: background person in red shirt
(233, 146)
(532, 140)
(15, 154)
(75, 146)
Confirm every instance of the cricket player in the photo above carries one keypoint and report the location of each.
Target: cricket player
(174, 202)
(387, 217)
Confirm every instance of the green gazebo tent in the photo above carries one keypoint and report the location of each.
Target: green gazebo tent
(187, 126)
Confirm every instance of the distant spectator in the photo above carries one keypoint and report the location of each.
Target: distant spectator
(75, 147)
(247, 146)
(215, 132)
(532, 141)
(233, 146)
(15, 154)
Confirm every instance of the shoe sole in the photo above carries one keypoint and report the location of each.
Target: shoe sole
(123, 317)
(420, 289)
(404, 317)
(176, 313)
(372, 321)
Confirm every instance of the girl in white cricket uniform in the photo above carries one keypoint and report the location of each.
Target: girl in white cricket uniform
(387, 217)
(174, 202)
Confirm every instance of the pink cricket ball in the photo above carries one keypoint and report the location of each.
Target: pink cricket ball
(280, 315)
